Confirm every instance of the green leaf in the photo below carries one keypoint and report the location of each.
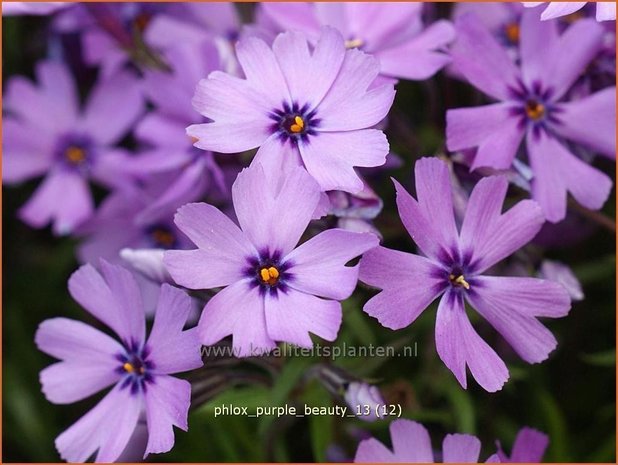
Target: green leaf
(603, 359)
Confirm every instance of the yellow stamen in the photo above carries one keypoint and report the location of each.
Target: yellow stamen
(128, 367)
(512, 32)
(535, 110)
(75, 155)
(269, 275)
(459, 281)
(354, 43)
(298, 125)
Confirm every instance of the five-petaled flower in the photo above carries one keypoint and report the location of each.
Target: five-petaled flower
(138, 368)
(273, 290)
(311, 107)
(453, 267)
(533, 104)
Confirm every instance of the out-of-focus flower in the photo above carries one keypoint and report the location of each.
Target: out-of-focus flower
(46, 134)
(32, 8)
(138, 368)
(529, 447)
(169, 149)
(411, 443)
(127, 219)
(321, 123)
(562, 274)
(148, 262)
(501, 19)
(532, 106)
(263, 274)
(606, 11)
(367, 398)
(453, 267)
(392, 32)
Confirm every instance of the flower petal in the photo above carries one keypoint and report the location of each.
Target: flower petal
(487, 235)
(318, 265)
(373, 451)
(238, 310)
(589, 186)
(330, 157)
(481, 60)
(171, 349)
(72, 381)
(409, 284)
(25, 152)
(529, 447)
(459, 345)
(106, 428)
(273, 210)
(167, 405)
(460, 448)
(591, 121)
(291, 315)
(534, 59)
(411, 442)
(113, 107)
(512, 306)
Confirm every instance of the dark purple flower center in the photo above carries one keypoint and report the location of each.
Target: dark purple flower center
(162, 236)
(75, 151)
(268, 272)
(535, 106)
(294, 122)
(511, 32)
(135, 368)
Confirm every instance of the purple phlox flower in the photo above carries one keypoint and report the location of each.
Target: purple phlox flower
(392, 32)
(532, 107)
(273, 290)
(367, 397)
(411, 443)
(137, 367)
(47, 134)
(606, 11)
(127, 219)
(322, 122)
(529, 447)
(110, 33)
(32, 8)
(168, 149)
(562, 274)
(194, 23)
(453, 267)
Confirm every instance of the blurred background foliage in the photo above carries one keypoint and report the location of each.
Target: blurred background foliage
(571, 397)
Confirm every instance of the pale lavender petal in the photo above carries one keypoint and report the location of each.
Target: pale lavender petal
(423, 55)
(237, 310)
(411, 442)
(529, 447)
(292, 315)
(460, 448)
(112, 108)
(430, 221)
(330, 157)
(293, 16)
(148, 262)
(409, 282)
(591, 121)
(26, 153)
(606, 11)
(535, 58)
(161, 130)
(557, 9)
(589, 186)
(512, 306)
(171, 349)
(167, 405)
(481, 60)
(297, 63)
(373, 451)
(491, 128)
(262, 70)
(318, 265)
(562, 274)
(106, 428)
(274, 211)
(487, 235)
(459, 345)
(577, 47)
(62, 198)
(93, 293)
(128, 298)
(72, 381)
(277, 158)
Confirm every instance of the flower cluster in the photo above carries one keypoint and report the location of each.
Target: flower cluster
(224, 180)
